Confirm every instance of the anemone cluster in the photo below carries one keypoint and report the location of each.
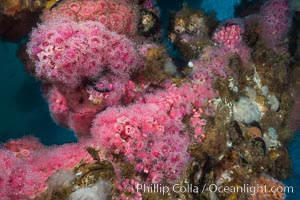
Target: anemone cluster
(219, 117)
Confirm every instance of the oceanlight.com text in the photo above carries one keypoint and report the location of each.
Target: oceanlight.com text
(189, 188)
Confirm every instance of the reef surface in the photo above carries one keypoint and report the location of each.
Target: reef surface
(150, 125)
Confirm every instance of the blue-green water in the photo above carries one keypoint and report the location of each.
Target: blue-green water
(23, 109)
(294, 180)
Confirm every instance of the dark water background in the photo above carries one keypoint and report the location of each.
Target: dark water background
(22, 107)
(25, 112)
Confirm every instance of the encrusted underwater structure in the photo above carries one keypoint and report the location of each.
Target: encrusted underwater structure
(148, 126)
